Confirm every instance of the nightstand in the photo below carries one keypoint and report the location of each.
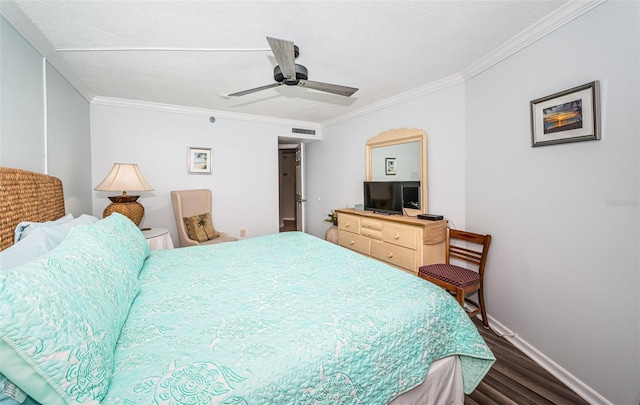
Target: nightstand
(158, 238)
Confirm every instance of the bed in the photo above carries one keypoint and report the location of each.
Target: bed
(278, 319)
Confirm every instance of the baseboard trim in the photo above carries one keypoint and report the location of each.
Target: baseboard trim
(577, 386)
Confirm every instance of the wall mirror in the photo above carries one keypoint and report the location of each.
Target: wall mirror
(399, 155)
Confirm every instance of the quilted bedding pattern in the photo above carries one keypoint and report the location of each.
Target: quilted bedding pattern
(61, 314)
(285, 319)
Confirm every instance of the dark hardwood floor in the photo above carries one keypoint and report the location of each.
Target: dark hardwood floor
(516, 379)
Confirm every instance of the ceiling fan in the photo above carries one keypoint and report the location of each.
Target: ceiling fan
(290, 73)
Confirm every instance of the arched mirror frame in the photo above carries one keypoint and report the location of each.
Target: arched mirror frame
(397, 137)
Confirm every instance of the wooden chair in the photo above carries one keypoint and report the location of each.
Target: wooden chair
(459, 280)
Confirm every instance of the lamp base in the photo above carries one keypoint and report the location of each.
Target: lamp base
(127, 206)
(124, 198)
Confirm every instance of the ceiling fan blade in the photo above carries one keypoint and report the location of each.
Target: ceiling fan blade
(285, 56)
(244, 93)
(329, 88)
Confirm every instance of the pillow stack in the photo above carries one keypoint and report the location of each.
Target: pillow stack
(23, 229)
(61, 314)
(33, 239)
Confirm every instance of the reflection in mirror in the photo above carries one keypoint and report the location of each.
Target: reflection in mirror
(399, 155)
(406, 162)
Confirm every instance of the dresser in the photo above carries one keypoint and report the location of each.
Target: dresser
(402, 241)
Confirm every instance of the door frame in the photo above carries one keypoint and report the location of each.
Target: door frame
(299, 188)
(299, 211)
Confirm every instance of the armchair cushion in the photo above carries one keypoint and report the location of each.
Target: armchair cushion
(200, 227)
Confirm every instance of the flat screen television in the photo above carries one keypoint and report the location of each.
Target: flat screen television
(383, 197)
(390, 197)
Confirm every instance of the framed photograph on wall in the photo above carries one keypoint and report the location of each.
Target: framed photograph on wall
(569, 116)
(199, 160)
(390, 166)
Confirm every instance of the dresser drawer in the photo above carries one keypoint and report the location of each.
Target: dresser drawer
(401, 235)
(396, 255)
(354, 242)
(367, 223)
(371, 233)
(349, 223)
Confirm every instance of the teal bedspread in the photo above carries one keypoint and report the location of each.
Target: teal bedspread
(285, 319)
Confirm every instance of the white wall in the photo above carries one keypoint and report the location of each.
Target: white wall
(245, 164)
(69, 141)
(563, 269)
(44, 121)
(22, 141)
(335, 166)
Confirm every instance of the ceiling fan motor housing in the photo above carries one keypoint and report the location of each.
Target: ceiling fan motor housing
(301, 74)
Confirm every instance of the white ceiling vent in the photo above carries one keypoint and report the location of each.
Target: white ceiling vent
(303, 131)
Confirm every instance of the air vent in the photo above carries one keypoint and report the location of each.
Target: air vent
(303, 131)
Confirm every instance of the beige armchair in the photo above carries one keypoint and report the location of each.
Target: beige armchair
(187, 203)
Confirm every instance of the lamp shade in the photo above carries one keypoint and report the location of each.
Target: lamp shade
(124, 177)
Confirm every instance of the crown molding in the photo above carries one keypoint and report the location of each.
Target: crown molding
(432, 87)
(561, 16)
(16, 17)
(180, 109)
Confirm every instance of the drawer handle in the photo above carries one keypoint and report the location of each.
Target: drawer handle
(348, 224)
(390, 255)
(352, 243)
(396, 236)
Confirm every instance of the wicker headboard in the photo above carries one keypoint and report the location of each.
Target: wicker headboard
(27, 196)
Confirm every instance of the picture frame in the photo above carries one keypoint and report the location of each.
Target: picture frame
(199, 160)
(568, 116)
(390, 166)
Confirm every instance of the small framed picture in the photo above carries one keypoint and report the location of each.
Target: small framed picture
(199, 160)
(569, 116)
(390, 166)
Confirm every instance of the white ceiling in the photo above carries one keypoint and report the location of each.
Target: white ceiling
(191, 53)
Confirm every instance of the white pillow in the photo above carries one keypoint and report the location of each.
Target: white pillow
(24, 228)
(40, 241)
(60, 231)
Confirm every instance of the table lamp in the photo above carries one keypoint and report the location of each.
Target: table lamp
(125, 177)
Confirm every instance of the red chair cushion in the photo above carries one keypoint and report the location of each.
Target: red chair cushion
(455, 275)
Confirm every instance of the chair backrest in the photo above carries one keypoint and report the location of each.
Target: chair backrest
(476, 255)
(187, 203)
